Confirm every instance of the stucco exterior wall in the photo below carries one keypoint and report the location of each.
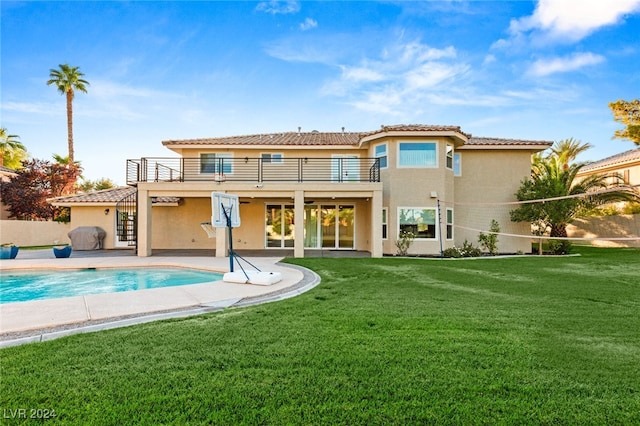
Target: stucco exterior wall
(491, 176)
(33, 233)
(94, 216)
(413, 187)
(179, 226)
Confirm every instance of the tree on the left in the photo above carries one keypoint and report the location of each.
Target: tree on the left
(67, 80)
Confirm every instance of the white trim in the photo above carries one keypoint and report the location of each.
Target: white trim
(345, 172)
(385, 222)
(435, 210)
(386, 153)
(446, 153)
(271, 160)
(398, 156)
(459, 155)
(446, 223)
(226, 155)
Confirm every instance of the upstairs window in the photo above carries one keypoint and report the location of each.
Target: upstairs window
(217, 163)
(381, 153)
(457, 164)
(450, 157)
(272, 158)
(417, 154)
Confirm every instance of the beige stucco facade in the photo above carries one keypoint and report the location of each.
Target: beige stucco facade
(327, 191)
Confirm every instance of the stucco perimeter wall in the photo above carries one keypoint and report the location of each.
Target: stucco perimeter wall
(490, 176)
(33, 233)
(607, 226)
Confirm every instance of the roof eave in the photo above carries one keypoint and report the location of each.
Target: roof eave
(414, 133)
(511, 147)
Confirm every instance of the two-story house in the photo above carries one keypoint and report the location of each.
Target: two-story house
(305, 191)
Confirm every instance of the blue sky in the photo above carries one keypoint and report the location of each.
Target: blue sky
(542, 70)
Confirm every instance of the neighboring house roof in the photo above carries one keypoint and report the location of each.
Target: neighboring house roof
(7, 170)
(352, 139)
(622, 159)
(6, 173)
(106, 197)
(505, 142)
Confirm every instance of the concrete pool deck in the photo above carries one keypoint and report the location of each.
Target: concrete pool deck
(24, 322)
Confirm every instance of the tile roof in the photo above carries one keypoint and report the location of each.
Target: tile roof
(501, 142)
(313, 138)
(7, 170)
(416, 128)
(106, 196)
(623, 157)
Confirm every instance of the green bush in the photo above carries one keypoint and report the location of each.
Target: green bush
(631, 208)
(467, 250)
(405, 241)
(489, 242)
(560, 246)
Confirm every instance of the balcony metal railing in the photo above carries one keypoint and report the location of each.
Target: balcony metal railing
(245, 169)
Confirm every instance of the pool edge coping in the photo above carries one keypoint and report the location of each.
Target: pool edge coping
(309, 280)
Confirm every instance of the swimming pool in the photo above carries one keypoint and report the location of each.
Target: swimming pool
(23, 286)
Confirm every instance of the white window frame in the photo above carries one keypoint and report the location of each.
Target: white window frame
(273, 157)
(449, 156)
(385, 156)
(435, 215)
(449, 224)
(224, 155)
(457, 164)
(417, 166)
(350, 163)
(385, 223)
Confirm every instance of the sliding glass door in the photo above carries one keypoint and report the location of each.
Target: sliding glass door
(329, 226)
(279, 229)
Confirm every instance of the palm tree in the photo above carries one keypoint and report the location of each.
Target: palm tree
(68, 79)
(551, 179)
(12, 150)
(567, 150)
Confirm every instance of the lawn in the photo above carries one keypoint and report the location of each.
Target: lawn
(380, 341)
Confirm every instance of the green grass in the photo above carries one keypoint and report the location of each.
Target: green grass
(379, 341)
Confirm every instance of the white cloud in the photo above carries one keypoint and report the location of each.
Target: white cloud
(278, 7)
(400, 79)
(543, 67)
(360, 74)
(31, 107)
(308, 24)
(572, 20)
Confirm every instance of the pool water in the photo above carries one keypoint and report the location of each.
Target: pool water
(23, 286)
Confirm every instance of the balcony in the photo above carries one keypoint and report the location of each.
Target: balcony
(254, 170)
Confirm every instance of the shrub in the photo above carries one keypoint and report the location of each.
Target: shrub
(560, 246)
(467, 250)
(405, 241)
(489, 242)
(631, 208)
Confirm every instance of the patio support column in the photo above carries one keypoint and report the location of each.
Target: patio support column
(221, 242)
(298, 242)
(376, 224)
(144, 223)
